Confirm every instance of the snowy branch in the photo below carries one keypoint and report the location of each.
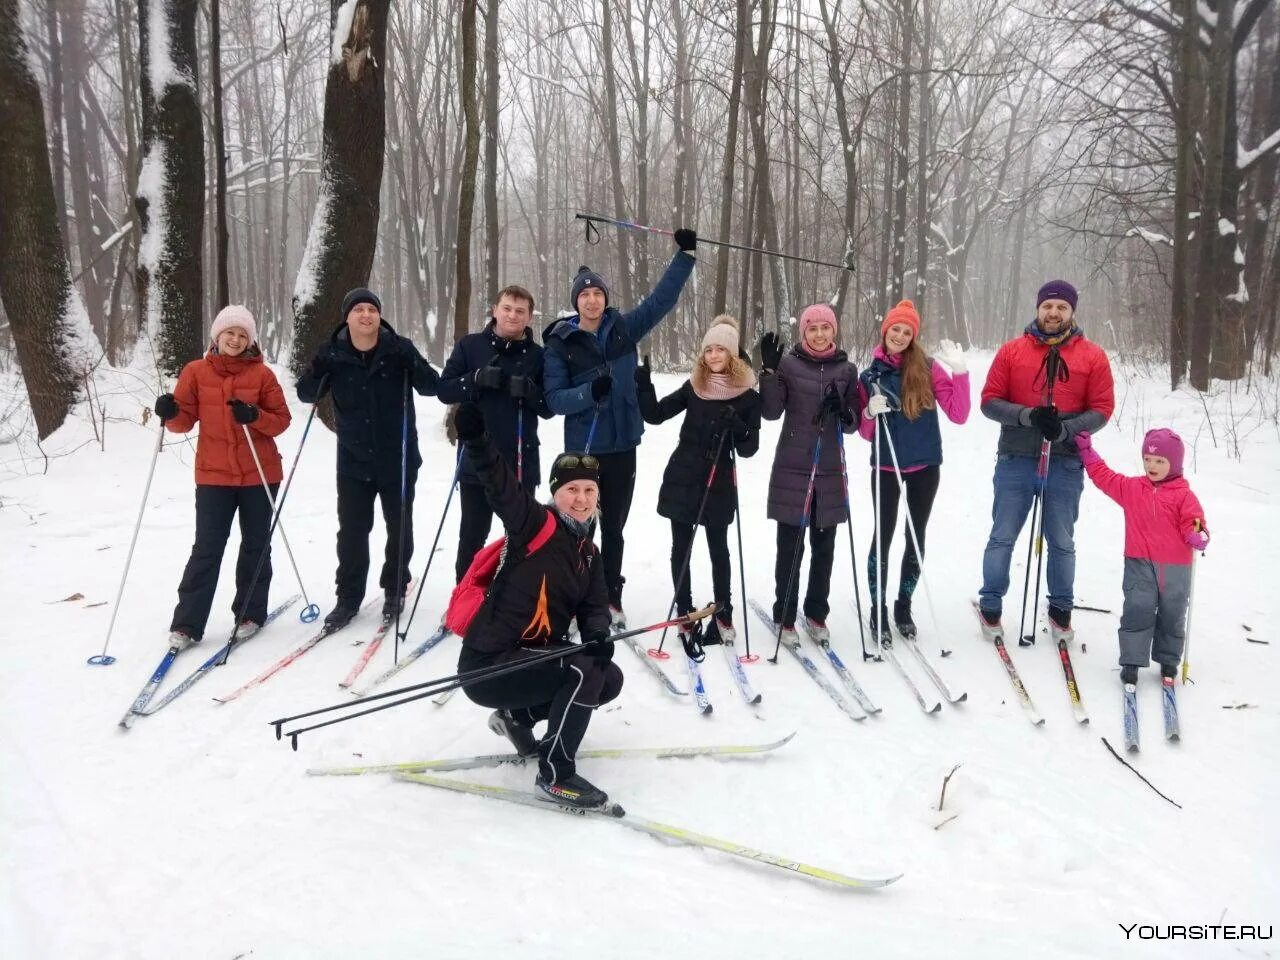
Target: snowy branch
(1247, 159)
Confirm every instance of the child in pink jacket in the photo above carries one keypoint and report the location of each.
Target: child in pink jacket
(1163, 523)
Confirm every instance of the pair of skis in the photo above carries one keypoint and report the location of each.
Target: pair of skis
(1019, 688)
(423, 772)
(856, 713)
(1168, 706)
(141, 703)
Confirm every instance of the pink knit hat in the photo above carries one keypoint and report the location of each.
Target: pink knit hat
(1163, 442)
(817, 313)
(234, 315)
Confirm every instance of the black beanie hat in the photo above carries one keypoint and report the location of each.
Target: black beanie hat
(574, 466)
(359, 295)
(587, 278)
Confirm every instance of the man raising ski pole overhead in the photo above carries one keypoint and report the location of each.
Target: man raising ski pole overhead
(1043, 388)
(589, 376)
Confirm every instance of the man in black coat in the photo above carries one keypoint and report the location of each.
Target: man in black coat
(500, 370)
(369, 370)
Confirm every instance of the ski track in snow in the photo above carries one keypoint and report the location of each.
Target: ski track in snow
(197, 835)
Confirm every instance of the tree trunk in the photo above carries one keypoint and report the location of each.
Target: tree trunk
(848, 149)
(1182, 299)
(923, 213)
(57, 151)
(170, 196)
(902, 161)
(467, 194)
(755, 80)
(741, 38)
(614, 148)
(220, 238)
(344, 226)
(45, 316)
(491, 130)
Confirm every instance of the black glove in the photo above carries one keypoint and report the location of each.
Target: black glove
(245, 413)
(770, 351)
(644, 376)
(518, 386)
(730, 421)
(600, 647)
(489, 377)
(166, 407)
(832, 406)
(468, 422)
(686, 239)
(600, 387)
(1047, 421)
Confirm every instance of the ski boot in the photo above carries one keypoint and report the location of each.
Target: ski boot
(817, 631)
(880, 625)
(246, 629)
(341, 615)
(902, 618)
(180, 640)
(617, 619)
(1129, 676)
(1168, 671)
(504, 724)
(989, 623)
(1060, 626)
(392, 605)
(573, 791)
(724, 627)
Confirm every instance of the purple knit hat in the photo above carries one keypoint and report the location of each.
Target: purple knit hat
(1057, 290)
(1163, 442)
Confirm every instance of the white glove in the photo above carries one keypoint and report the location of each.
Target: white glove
(951, 353)
(877, 405)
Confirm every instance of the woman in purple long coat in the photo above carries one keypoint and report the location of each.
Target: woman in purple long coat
(814, 388)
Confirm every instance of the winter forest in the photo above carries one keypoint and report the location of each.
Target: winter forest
(166, 157)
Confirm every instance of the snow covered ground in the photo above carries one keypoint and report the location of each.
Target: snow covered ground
(197, 835)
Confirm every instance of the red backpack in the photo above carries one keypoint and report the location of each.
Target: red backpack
(469, 594)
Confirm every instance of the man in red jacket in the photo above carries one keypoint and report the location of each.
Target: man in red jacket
(1046, 386)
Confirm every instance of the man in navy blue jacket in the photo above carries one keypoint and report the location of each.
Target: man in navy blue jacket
(589, 374)
(500, 369)
(369, 369)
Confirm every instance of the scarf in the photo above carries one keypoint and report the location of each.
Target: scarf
(1057, 339)
(734, 382)
(826, 354)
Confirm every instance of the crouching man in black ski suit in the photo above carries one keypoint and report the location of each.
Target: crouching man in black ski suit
(527, 611)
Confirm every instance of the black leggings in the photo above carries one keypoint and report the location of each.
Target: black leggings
(822, 541)
(563, 692)
(617, 485)
(922, 487)
(682, 535)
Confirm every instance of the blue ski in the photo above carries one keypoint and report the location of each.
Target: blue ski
(809, 666)
(1172, 729)
(1131, 717)
(700, 696)
(441, 632)
(149, 688)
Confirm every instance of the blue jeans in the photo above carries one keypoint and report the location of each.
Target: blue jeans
(1015, 485)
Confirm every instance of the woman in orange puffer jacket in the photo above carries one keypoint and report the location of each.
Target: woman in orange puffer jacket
(228, 389)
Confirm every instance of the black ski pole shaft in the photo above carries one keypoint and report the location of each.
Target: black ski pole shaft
(688, 554)
(275, 520)
(742, 567)
(439, 685)
(804, 526)
(404, 510)
(417, 594)
(1052, 368)
(629, 225)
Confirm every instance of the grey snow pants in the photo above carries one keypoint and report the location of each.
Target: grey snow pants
(1152, 625)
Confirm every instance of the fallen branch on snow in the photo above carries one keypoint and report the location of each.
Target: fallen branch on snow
(1139, 776)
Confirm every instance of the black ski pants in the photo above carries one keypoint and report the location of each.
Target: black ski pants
(355, 521)
(682, 537)
(822, 542)
(922, 487)
(564, 692)
(617, 487)
(473, 530)
(216, 507)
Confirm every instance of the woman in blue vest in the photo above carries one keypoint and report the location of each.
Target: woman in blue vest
(904, 388)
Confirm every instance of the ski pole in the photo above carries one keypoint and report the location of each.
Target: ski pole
(1191, 596)
(520, 443)
(310, 611)
(457, 473)
(275, 519)
(881, 566)
(591, 432)
(804, 526)
(431, 688)
(658, 653)
(747, 657)
(102, 659)
(404, 510)
(628, 225)
(1052, 370)
(853, 553)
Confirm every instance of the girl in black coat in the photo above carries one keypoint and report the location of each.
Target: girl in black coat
(722, 413)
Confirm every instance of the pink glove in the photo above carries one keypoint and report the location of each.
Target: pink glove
(1084, 447)
(1197, 539)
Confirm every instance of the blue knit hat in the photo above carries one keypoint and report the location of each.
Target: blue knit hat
(1057, 290)
(587, 278)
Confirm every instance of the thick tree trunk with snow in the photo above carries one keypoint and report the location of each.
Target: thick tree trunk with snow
(741, 38)
(467, 194)
(170, 197)
(344, 225)
(35, 278)
(491, 130)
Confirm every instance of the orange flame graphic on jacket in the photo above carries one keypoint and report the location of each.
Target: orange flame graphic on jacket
(539, 628)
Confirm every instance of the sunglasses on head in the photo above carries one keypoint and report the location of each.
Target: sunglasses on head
(571, 460)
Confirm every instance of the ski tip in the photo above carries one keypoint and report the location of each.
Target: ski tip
(936, 708)
(756, 701)
(1084, 721)
(962, 698)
